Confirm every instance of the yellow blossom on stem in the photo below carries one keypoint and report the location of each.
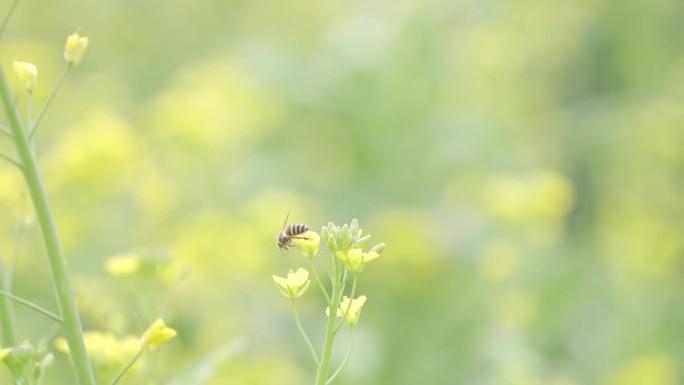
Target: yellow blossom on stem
(155, 335)
(75, 48)
(295, 284)
(28, 74)
(350, 309)
(355, 259)
(308, 243)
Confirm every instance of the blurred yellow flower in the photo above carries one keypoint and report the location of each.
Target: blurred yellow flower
(658, 368)
(75, 48)
(350, 309)
(123, 265)
(290, 286)
(4, 352)
(544, 196)
(308, 243)
(107, 352)
(355, 259)
(155, 335)
(28, 74)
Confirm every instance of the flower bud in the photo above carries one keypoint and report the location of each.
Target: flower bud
(155, 335)
(28, 74)
(75, 48)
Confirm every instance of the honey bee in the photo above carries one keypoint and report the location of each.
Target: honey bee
(290, 232)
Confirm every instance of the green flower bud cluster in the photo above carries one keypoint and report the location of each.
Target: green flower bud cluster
(344, 238)
(27, 363)
(347, 244)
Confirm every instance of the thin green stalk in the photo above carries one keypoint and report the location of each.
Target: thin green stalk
(8, 322)
(65, 295)
(319, 282)
(346, 311)
(7, 16)
(8, 317)
(33, 126)
(328, 266)
(31, 305)
(322, 374)
(128, 366)
(346, 358)
(5, 131)
(29, 109)
(301, 330)
(11, 161)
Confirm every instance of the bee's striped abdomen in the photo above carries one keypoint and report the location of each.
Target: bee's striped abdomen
(296, 229)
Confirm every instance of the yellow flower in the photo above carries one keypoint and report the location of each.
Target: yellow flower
(295, 284)
(355, 259)
(308, 243)
(350, 309)
(75, 48)
(4, 352)
(155, 335)
(108, 352)
(28, 74)
(123, 265)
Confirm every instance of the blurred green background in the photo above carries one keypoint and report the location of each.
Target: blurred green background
(522, 160)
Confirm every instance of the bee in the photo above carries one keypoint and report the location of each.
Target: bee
(290, 232)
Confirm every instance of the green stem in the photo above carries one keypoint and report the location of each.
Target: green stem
(8, 319)
(301, 330)
(8, 15)
(29, 109)
(346, 358)
(328, 267)
(5, 131)
(31, 305)
(33, 126)
(60, 275)
(8, 322)
(128, 366)
(11, 161)
(322, 374)
(319, 282)
(346, 311)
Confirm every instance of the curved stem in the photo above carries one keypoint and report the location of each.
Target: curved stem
(346, 358)
(11, 161)
(33, 126)
(60, 275)
(8, 15)
(301, 330)
(8, 322)
(320, 283)
(346, 311)
(328, 266)
(29, 109)
(32, 305)
(128, 366)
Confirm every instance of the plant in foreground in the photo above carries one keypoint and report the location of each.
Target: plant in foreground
(344, 261)
(27, 363)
